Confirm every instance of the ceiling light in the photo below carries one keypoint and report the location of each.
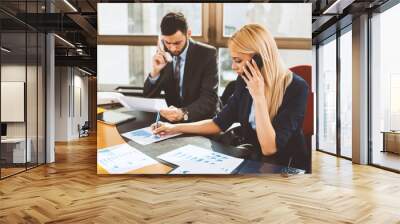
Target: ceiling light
(84, 71)
(338, 6)
(65, 41)
(79, 51)
(70, 5)
(5, 50)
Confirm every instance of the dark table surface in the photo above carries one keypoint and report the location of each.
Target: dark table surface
(144, 119)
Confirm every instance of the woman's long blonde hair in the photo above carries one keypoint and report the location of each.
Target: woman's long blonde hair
(253, 39)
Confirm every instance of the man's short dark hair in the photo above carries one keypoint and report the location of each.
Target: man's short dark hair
(173, 22)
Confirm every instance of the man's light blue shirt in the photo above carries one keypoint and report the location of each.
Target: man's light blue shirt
(182, 68)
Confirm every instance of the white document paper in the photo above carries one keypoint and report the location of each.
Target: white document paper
(145, 136)
(122, 158)
(143, 104)
(108, 97)
(196, 160)
(197, 169)
(132, 103)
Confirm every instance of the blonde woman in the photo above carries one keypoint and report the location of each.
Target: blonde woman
(269, 102)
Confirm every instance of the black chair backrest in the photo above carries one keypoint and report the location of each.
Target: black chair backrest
(86, 125)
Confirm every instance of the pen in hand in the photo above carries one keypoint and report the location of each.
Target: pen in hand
(157, 120)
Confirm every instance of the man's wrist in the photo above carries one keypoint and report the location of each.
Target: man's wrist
(185, 114)
(154, 74)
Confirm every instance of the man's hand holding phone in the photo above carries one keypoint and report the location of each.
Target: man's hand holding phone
(160, 59)
(159, 63)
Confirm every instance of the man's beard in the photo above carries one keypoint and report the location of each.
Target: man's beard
(183, 49)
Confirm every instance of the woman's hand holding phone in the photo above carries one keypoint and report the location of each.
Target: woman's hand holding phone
(254, 80)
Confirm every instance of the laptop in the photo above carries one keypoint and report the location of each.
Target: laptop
(114, 117)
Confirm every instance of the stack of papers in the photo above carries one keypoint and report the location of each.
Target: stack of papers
(143, 104)
(195, 160)
(122, 158)
(130, 102)
(145, 136)
(108, 97)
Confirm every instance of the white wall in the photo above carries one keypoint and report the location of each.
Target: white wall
(71, 94)
(292, 57)
(15, 73)
(81, 102)
(61, 103)
(33, 126)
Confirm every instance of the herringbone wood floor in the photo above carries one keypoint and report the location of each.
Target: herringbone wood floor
(69, 191)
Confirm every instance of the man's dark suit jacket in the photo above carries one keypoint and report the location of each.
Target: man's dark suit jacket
(200, 83)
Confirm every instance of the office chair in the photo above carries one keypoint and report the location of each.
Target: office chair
(304, 157)
(84, 130)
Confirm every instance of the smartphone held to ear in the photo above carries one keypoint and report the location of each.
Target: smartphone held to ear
(257, 58)
(162, 48)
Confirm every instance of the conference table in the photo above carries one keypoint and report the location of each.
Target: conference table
(110, 135)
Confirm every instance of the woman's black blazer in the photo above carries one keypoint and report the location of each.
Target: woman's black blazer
(287, 123)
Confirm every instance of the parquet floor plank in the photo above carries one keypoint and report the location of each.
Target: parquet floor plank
(70, 191)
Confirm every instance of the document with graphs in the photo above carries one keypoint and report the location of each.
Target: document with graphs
(192, 159)
(122, 158)
(145, 136)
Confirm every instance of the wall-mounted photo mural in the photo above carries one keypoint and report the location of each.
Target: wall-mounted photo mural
(204, 88)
